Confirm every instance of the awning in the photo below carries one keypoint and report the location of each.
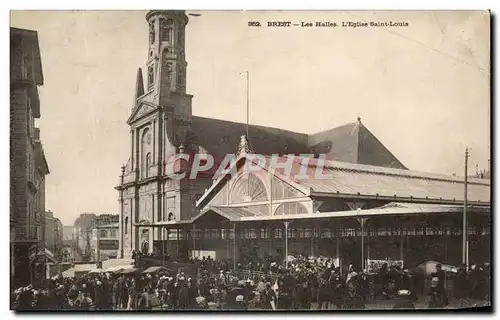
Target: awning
(96, 271)
(156, 269)
(46, 254)
(118, 268)
(129, 271)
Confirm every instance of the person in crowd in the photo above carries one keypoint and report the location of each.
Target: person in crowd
(404, 300)
(132, 295)
(441, 275)
(143, 302)
(435, 297)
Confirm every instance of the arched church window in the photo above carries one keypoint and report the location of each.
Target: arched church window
(248, 188)
(148, 163)
(126, 225)
(166, 29)
(145, 154)
(151, 76)
(152, 33)
(170, 216)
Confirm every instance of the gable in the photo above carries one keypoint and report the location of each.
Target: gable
(256, 189)
(371, 151)
(353, 143)
(338, 144)
(143, 109)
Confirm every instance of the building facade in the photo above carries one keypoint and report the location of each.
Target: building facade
(105, 241)
(28, 165)
(86, 235)
(162, 126)
(54, 241)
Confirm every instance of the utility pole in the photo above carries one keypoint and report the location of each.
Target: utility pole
(465, 246)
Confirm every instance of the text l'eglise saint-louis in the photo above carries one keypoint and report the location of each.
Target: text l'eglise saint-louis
(360, 24)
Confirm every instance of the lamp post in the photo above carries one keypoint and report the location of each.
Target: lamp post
(286, 223)
(163, 246)
(465, 247)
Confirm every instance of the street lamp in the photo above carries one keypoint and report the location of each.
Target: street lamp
(163, 245)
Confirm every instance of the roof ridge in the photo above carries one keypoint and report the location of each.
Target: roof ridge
(337, 127)
(346, 166)
(251, 125)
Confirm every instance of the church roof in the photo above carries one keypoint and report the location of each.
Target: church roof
(220, 137)
(353, 143)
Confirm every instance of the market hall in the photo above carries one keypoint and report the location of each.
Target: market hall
(361, 215)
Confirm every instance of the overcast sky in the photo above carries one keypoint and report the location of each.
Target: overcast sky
(423, 90)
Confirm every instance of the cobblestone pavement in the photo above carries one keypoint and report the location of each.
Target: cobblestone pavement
(419, 304)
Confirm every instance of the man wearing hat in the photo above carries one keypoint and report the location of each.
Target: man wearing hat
(441, 275)
(435, 297)
(183, 293)
(269, 298)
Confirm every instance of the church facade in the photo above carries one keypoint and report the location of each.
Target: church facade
(162, 125)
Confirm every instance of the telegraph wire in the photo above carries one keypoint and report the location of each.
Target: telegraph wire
(481, 69)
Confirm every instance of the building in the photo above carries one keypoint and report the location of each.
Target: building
(68, 233)
(28, 165)
(162, 125)
(105, 241)
(54, 241)
(82, 228)
(85, 230)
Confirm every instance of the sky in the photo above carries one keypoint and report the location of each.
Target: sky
(423, 90)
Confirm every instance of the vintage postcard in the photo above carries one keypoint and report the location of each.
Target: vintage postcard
(172, 160)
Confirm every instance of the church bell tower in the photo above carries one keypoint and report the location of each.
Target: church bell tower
(166, 70)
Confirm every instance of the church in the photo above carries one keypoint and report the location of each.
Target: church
(154, 208)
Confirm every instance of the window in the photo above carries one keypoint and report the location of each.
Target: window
(152, 33)
(112, 233)
(151, 76)
(104, 234)
(248, 188)
(291, 208)
(308, 233)
(252, 234)
(265, 233)
(326, 233)
(278, 233)
(196, 233)
(166, 29)
(126, 225)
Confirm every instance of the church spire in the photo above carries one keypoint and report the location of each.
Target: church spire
(139, 85)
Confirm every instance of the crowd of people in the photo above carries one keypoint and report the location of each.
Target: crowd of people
(255, 284)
